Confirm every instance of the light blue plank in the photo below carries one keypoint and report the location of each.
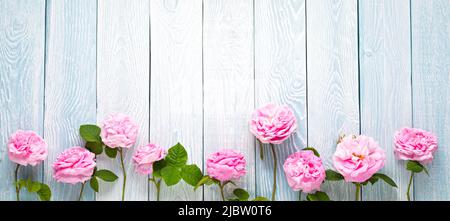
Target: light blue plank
(70, 84)
(431, 90)
(332, 68)
(22, 39)
(280, 74)
(385, 85)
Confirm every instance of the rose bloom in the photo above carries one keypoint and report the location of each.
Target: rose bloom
(27, 148)
(273, 124)
(145, 156)
(415, 144)
(74, 165)
(357, 158)
(119, 130)
(304, 171)
(226, 165)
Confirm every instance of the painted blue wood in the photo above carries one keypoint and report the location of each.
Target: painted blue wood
(70, 82)
(332, 67)
(280, 77)
(22, 39)
(431, 90)
(385, 85)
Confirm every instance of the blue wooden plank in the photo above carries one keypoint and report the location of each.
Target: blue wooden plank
(22, 39)
(70, 84)
(280, 77)
(385, 85)
(431, 90)
(332, 69)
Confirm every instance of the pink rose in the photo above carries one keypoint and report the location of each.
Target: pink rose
(304, 171)
(145, 156)
(273, 124)
(357, 158)
(27, 148)
(118, 130)
(74, 165)
(415, 144)
(226, 165)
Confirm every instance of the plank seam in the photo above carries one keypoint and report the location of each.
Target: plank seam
(411, 80)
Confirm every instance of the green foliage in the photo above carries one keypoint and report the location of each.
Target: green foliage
(416, 167)
(111, 152)
(313, 150)
(94, 184)
(95, 147)
(171, 175)
(241, 194)
(191, 174)
(318, 196)
(41, 189)
(106, 175)
(177, 156)
(332, 175)
(90, 133)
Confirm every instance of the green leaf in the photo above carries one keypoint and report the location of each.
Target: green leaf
(241, 194)
(111, 152)
(416, 167)
(191, 174)
(95, 147)
(106, 175)
(177, 156)
(260, 198)
(318, 196)
(171, 175)
(21, 183)
(94, 184)
(206, 180)
(33, 187)
(386, 179)
(332, 175)
(313, 150)
(373, 180)
(90, 133)
(157, 167)
(44, 193)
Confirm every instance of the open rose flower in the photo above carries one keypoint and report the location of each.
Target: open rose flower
(27, 148)
(273, 124)
(74, 165)
(357, 158)
(226, 165)
(415, 144)
(145, 156)
(118, 130)
(304, 171)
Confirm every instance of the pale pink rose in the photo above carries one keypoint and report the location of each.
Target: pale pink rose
(74, 165)
(145, 156)
(304, 171)
(119, 130)
(226, 165)
(415, 144)
(357, 158)
(27, 148)
(273, 124)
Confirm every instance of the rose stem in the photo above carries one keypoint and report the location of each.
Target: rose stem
(221, 191)
(358, 190)
(261, 153)
(124, 174)
(409, 186)
(274, 171)
(17, 185)
(158, 187)
(81, 192)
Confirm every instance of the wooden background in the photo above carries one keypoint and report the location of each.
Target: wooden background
(193, 71)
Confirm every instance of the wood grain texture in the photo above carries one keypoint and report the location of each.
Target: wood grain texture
(70, 88)
(123, 85)
(332, 67)
(431, 90)
(22, 42)
(385, 85)
(228, 83)
(280, 74)
(176, 113)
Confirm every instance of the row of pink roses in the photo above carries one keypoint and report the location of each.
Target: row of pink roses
(357, 158)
